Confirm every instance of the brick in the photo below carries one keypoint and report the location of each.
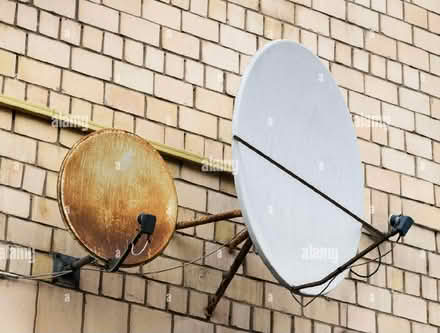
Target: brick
(33, 180)
(132, 6)
(416, 15)
(254, 22)
(194, 248)
(7, 11)
(184, 325)
(335, 8)
(173, 90)
(380, 44)
(374, 298)
(418, 145)
(410, 259)
(217, 10)
(412, 284)
(396, 29)
(398, 117)
(181, 43)
(370, 152)
(200, 26)
(427, 40)
(140, 29)
(394, 71)
(322, 310)
(27, 17)
(50, 156)
(434, 22)
(398, 161)
(219, 56)
(14, 202)
(364, 106)
(347, 33)
(99, 16)
(236, 16)
(215, 103)
(387, 323)
(156, 321)
(384, 180)
(113, 45)
(361, 319)
(92, 38)
(410, 307)
(428, 127)
(199, 7)
(89, 280)
(18, 301)
(430, 84)
(46, 211)
(111, 285)
(198, 122)
(29, 234)
(125, 100)
(381, 89)
(413, 100)
(156, 294)
(261, 320)
(174, 65)
(27, 151)
(161, 111)
(12, 39)
(279, 9)
(83, 87)
(51, 184)
(70, 31)
(348, 78)
(433, 261)
(154, 59)
(313, 20)
(67, 8)
(91, 64)
(411, 77)
(197, 304)
(39, 73)
(64, 303)
(417, 189)
(133, 77)
(105, 315)
(5, 117)
(48, 50)
(421, 213)
(162, 14)
(49, 24)
(214, 79)
(238, 40)
(11, 173)
(134, 289)
(14, 88)
(134, 53)
(413, 56)
(428, 170)
(202, 278)
(343, 54)
(150, 131)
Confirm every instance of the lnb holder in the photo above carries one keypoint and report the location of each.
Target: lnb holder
(147, 224)
(401, 223)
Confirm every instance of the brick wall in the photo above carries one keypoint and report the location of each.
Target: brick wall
(168, 71)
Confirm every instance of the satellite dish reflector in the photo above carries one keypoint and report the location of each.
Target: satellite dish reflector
(106, 180)
(290, 109)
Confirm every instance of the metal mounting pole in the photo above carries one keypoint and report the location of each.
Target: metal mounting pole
(209, 219)
(238, 239)
(228, 278)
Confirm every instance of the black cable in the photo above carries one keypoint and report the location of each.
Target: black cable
(372, 273)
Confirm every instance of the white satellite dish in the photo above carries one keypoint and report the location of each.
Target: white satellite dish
(290, 109)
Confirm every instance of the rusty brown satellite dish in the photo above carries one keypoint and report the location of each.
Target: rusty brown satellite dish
(106, 180)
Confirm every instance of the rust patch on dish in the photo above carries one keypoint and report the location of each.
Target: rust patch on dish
(106, 180)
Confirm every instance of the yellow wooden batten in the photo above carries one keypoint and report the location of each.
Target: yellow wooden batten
(89, 126)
